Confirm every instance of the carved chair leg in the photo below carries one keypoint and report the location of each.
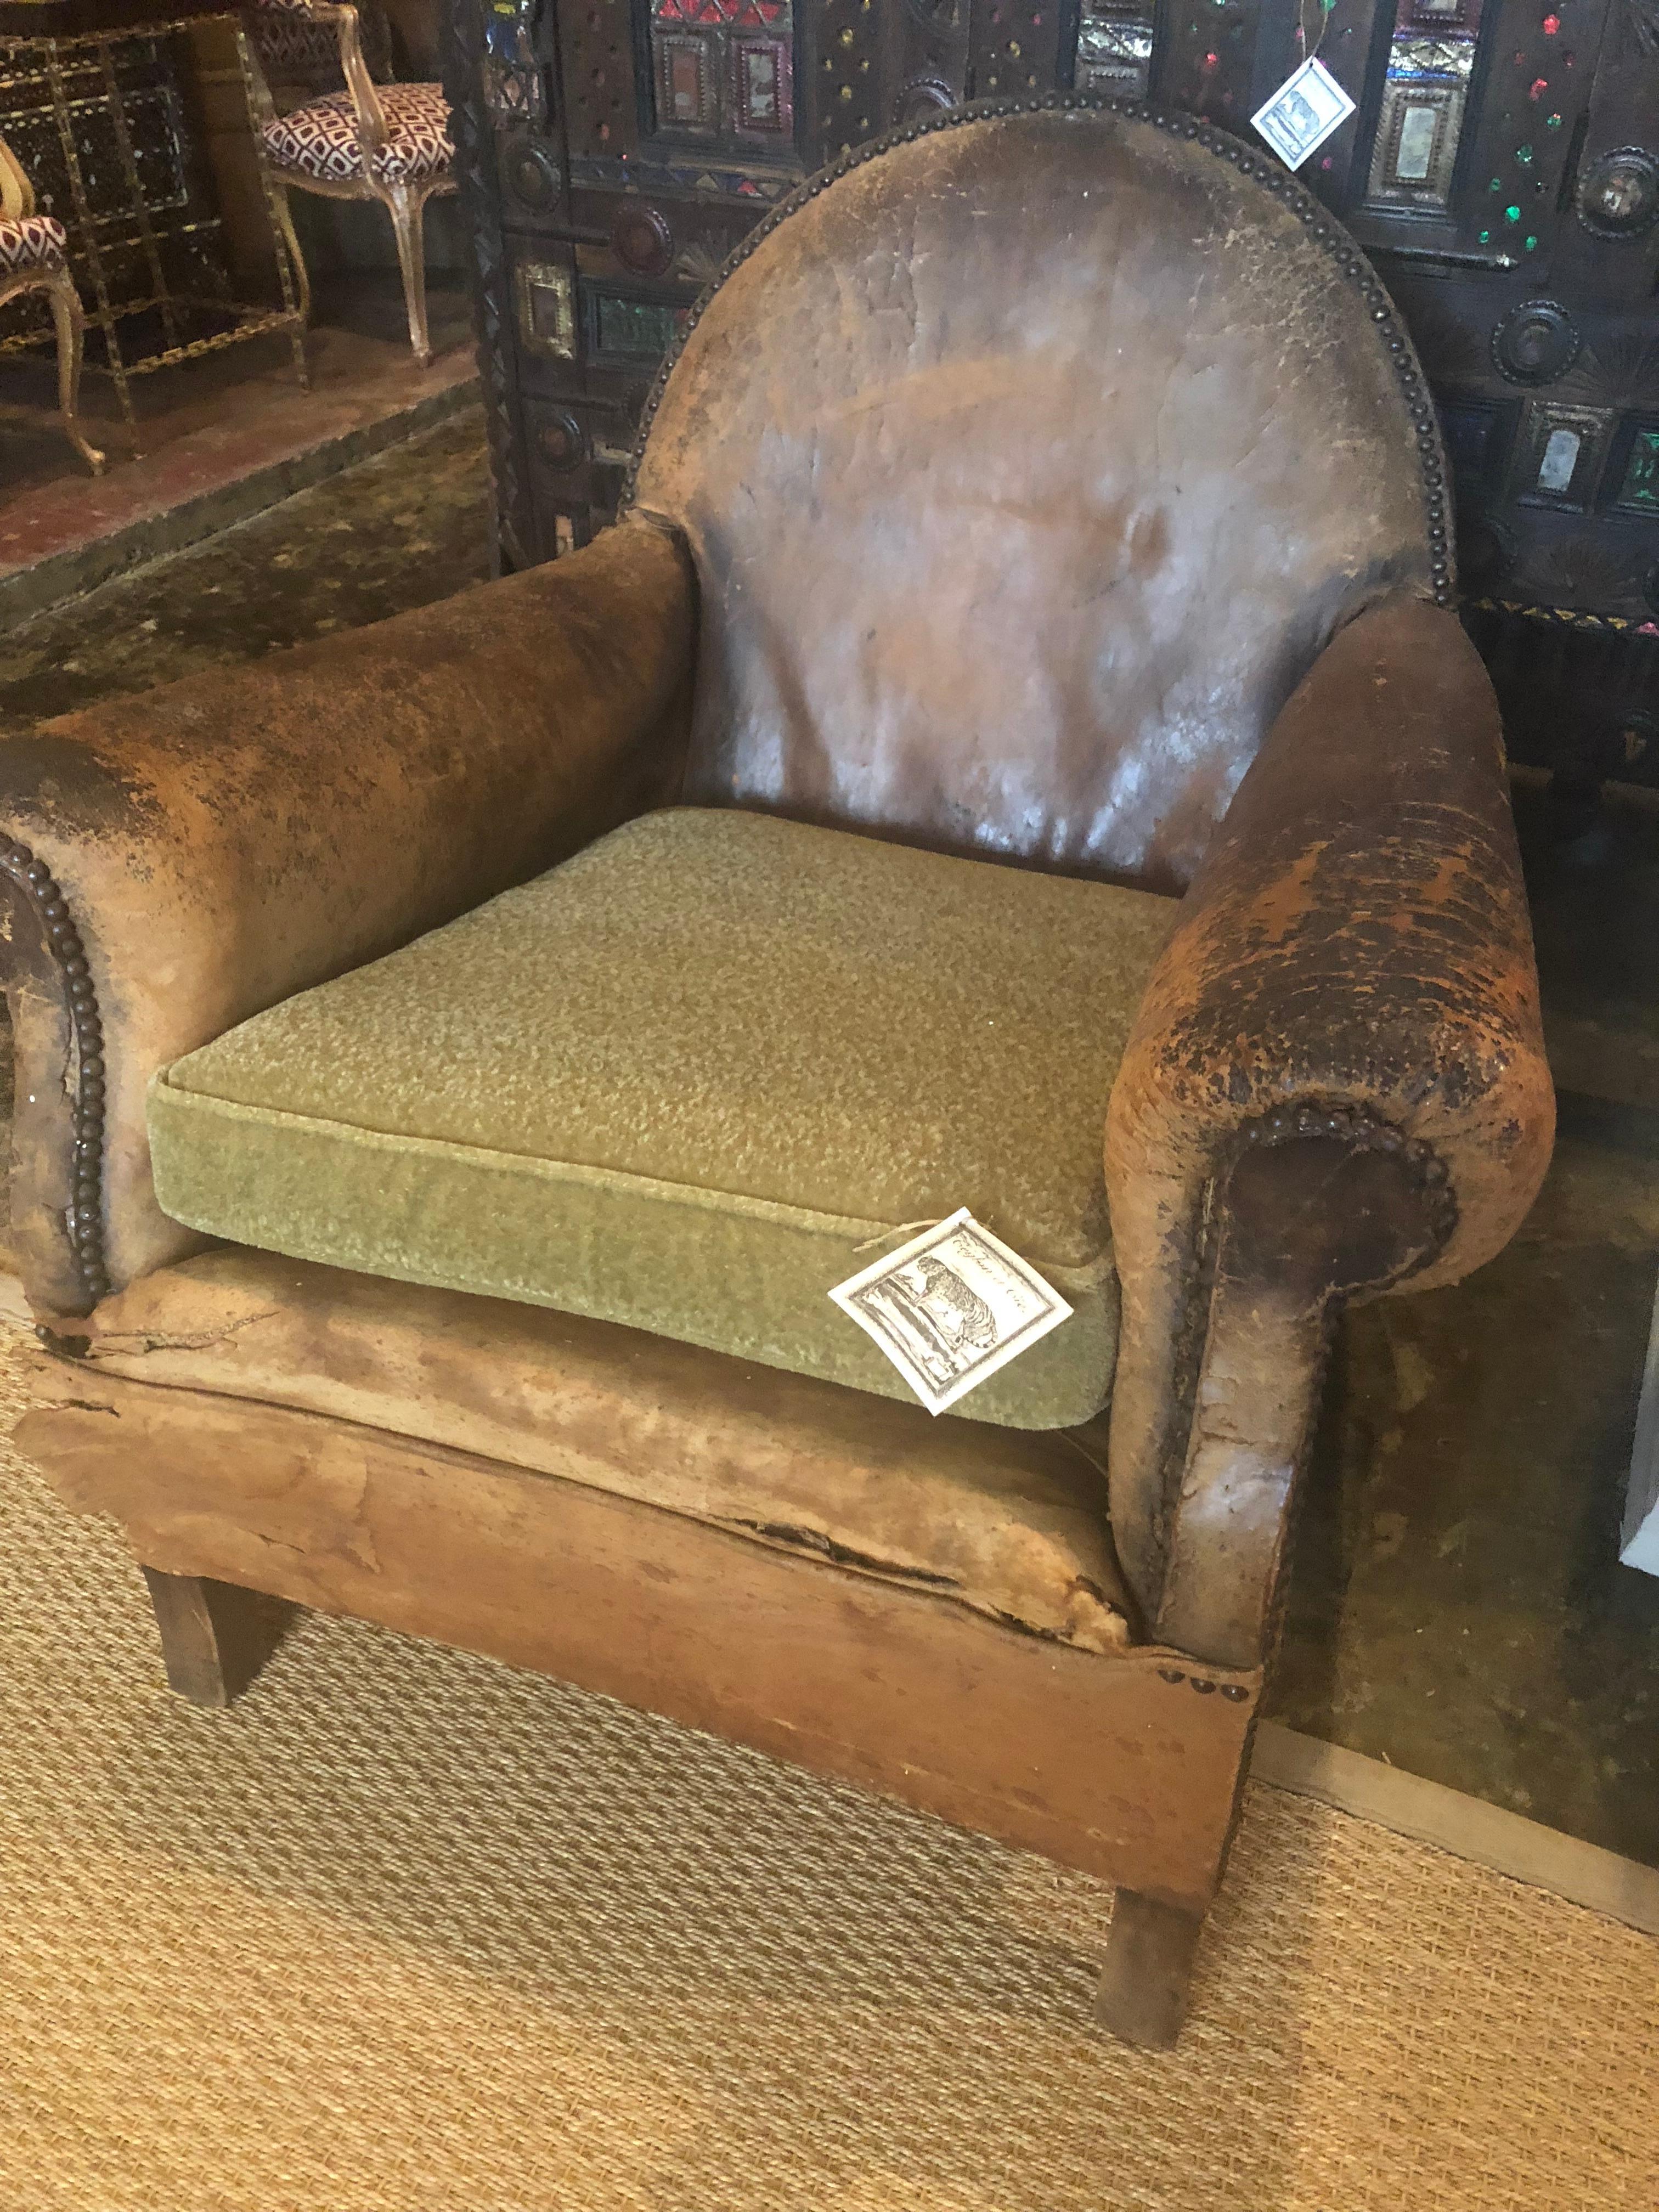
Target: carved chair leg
(408, 208)
(1147, 1978)
(287, 244)
(216, 1636)
(71, 336)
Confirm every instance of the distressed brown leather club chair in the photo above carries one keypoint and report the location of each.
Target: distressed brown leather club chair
(1021, 713)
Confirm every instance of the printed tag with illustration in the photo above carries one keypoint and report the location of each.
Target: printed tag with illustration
(950, 1308)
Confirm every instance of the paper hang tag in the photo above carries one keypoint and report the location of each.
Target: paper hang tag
(951, 1307)
(1302, 113)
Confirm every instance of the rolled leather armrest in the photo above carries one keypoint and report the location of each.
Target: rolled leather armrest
(1353, 961)
(174, 862)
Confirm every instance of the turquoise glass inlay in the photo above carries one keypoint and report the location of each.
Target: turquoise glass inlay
(1641, 484)
(637, 327)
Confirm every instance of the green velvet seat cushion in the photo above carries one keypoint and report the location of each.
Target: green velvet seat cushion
(683, 1079)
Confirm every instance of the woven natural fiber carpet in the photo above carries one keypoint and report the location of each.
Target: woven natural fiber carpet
(409, 1932)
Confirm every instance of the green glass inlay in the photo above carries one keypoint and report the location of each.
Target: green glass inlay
(1511, 215)
(1496, 185)
(1641, 484)
(634, 326)
(1486, 238)
(1531, 244)
(1551, 123)
(1523, 154)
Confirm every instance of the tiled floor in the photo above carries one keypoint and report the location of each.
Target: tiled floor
(1458, 1606)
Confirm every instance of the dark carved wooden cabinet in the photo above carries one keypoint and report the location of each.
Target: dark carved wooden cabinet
(1502, 168)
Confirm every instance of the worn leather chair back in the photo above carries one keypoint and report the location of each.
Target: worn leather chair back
(1026, 470)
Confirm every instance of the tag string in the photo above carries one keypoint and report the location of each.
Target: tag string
(904, 1229)
(1326, 8)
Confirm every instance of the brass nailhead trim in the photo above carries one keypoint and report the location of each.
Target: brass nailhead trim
(85, 1218)
(1235, 1692)
(1365, 1131)
(1313, 215)
(35, 881)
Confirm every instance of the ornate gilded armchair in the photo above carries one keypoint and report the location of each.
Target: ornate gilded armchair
(33, 259)
(1016, 752)
(366, 141)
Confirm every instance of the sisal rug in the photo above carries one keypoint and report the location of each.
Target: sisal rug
(406, 1932)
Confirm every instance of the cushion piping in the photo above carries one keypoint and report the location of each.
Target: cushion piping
(839, 1228)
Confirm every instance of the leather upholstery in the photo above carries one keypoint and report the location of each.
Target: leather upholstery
(1026, 471)
(1045, 489)
(242, 834)
(1357, 936)
(1010, 1521)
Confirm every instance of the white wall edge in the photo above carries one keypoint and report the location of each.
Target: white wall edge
(1525, 1851)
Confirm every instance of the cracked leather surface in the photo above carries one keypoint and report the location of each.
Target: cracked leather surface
(1049, 496)
(241, 836)
(1026, 470)
(1010, 1522)
(1359, 934)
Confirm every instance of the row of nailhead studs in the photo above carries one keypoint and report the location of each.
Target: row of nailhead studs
(1351, 1123)
(1277, 180)
(1235, 1692)
(1356, 1126)
(85, 1220)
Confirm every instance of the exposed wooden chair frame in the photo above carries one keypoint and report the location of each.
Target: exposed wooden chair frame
(404, 199)
(16, 205)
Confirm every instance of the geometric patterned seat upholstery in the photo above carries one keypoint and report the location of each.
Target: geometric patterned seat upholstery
(34, 259)
(30, 241)
(320, 139)
(325, 143)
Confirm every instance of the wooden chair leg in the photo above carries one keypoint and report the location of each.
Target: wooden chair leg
(408, 208)
(216, 1636)
(1147, 1978)
(71, 328)
(289, 240)
(298, 276)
